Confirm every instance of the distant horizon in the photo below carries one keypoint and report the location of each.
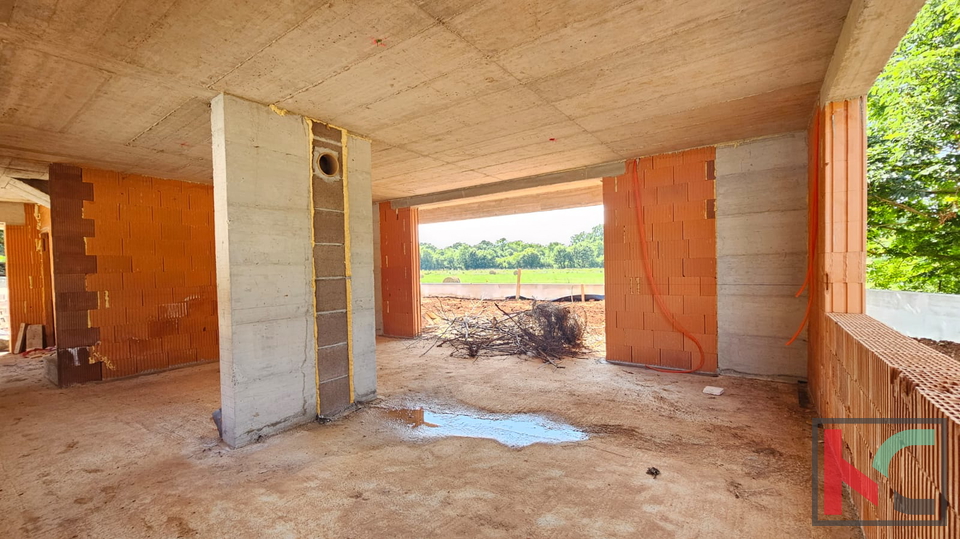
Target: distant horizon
(540, 227)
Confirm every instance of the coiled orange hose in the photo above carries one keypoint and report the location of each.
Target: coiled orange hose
(650, 281)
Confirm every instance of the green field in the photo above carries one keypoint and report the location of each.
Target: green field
(532, 276)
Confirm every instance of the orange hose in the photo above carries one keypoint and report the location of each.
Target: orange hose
(811, 250)
(653, 286)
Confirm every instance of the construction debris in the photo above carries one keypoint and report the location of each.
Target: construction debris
(652, 471)
(715, 391)
(548, 331)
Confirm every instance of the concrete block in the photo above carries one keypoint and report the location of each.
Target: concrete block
(364, 257)
(762, 233)
(264, 269)
(762, 270)
(765, 357)
(780, 189)
(789, 150)
(759, 315)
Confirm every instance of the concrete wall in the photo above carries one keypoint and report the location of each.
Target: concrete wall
(761, 255)
(502, 290)
(377, 274)
(932, 316)
(263, 221)
(363, 327)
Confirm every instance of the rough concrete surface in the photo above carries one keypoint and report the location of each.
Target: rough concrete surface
(140, 458)
(264, 269)
(762, 255)
(454, 94)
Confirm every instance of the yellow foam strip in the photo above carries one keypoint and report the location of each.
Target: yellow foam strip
(313, 266)
(346, 252)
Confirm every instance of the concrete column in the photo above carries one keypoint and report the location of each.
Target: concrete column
(261, 169)
(363, 251)
(295, 257)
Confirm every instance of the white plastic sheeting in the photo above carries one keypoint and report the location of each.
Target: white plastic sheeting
(917, 314)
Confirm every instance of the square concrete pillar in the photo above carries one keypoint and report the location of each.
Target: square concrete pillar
(294, 269)
(262, 217)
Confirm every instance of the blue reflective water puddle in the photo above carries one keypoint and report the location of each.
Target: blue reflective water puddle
(512, 430)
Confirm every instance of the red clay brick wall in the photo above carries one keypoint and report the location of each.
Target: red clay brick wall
(25, 276)
(150, 277)
(678, 193)
(400, 271)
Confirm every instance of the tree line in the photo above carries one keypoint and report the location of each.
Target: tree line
(913, 234)
(585, 250)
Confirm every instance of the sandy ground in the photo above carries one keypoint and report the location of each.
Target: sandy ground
(140, 458)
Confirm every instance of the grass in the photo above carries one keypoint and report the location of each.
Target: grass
(540, 276)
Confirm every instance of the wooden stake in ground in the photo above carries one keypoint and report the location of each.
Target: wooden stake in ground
(519, 271)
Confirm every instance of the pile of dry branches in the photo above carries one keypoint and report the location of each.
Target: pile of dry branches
(549, 331)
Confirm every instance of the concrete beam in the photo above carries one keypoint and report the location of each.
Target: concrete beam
(615, 168)
(871, 32)
(11, 214)
(14, 190)
(554, 197)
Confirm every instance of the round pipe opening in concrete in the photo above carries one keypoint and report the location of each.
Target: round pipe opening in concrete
(326, 163)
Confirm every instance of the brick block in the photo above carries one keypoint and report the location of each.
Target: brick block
(658, 214)
(76, 301)
(700, 267)
(667, 231)
(673, 249)
(667, 160)
(689, 211)
(690, 173)
(657, 177)
(198, 277)
(694, 323)
(147, 263)
(704, 305)
(134, 214)
(701, 190)
(667, 340)
(167, 216)
(103, 245)
(697, 155)
(174, 232)
(74, 263)
(704, 229)
(684, 286)
(170, 279)
(181, 357)
(656, 321)
(139, 281)
(197, 218)
(708, 341)
(703, 248)
(708, 286)
(176, 341)
(113, 264)
(678, 359)
(106, 211)
(171, 248)
(144, 196)
(672, 194)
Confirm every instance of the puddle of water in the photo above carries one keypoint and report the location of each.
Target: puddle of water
(512, 430)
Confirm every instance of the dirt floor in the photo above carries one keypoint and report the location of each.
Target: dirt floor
(947, 348)
(141, 458)
(592, 313)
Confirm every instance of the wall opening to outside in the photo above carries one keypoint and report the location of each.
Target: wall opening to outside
(477, 270)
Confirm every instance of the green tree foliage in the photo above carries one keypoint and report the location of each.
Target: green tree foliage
(913, 238)
(584, 251)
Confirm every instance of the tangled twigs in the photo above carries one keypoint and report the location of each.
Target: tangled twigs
(549, 331)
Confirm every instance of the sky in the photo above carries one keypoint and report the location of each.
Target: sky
(542, 227)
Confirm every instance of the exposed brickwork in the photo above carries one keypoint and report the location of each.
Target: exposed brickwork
(71, 264)
(134, 272)
(331, 281)
(869, 370)
(26, 278)
(400, 271)
(678, 193)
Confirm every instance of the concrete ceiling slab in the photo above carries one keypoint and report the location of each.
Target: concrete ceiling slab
(456, 93)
